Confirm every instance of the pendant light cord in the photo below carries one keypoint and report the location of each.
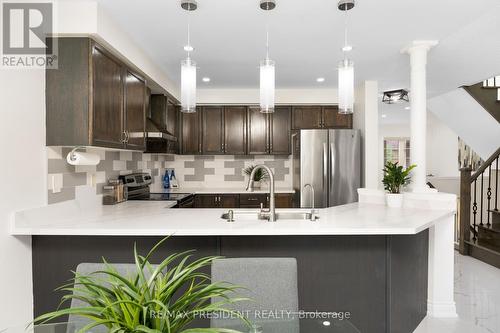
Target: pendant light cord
(345, 29)
(188, 33)
(267, 33)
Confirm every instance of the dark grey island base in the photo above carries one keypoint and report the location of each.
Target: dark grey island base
(381, 280)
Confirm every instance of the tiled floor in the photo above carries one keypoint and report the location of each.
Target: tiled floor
(477, 295)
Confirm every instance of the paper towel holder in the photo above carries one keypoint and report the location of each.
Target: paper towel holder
(71, 154)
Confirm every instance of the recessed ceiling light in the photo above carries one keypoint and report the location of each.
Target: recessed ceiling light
(188, 48)
(347, 48)
(407, 108)
(384, 116)
(326, 323)
(206, 79)
(320, 79)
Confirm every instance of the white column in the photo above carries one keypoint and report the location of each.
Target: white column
(418, 120)
(365, 118)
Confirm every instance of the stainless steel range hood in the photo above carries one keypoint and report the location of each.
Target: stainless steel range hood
(158, 141)
(152, 131)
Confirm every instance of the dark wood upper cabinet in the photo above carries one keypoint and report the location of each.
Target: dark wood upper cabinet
(333, 119)
(172, 117)
(135, 111)
(307, 117)
(191, 133)
(159, 113)
(235, 130)
(93, 98)
(280, 127)
(317, 117)
(107, 97)
(213, 129)
(258, 132)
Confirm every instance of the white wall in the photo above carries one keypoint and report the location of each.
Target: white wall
(22, 143)
(365, 119)
(468, 119)
(442, 147)
(251, 96)
(23, 166)
(87, 18)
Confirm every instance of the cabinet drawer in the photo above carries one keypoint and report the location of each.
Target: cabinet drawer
(284, 200)
(253, 200)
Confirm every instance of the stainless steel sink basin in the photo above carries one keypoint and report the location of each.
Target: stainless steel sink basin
(281, 214)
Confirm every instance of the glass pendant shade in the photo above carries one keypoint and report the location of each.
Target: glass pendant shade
(267, 86)
(188, 86)
(346, 86)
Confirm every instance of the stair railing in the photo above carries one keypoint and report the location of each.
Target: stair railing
(474, 211)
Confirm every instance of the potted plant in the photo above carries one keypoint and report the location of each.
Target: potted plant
(395, 178)
(161, 298)
(259, 177)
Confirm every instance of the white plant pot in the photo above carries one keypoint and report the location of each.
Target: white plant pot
(394, 200)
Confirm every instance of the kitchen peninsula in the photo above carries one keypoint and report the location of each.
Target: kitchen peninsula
(383, 265)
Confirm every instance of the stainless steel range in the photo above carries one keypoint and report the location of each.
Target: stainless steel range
(138, 188)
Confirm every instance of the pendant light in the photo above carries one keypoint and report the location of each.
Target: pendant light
(267, 76)
(346, 68)
(188, 68)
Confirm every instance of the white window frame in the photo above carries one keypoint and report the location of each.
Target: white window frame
(402, 157)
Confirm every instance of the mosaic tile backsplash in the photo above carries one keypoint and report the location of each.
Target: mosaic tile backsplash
(192, 171)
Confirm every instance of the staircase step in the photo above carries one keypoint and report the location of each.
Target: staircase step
(495, 217)
(489, 237)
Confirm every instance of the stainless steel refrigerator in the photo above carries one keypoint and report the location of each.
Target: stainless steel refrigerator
(330, 162)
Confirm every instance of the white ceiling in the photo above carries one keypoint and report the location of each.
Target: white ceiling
(306, 36)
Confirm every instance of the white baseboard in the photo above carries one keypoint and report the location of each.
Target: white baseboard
(441, 310)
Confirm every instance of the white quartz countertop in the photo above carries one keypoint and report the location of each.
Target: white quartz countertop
(148, 218)
(221, 190)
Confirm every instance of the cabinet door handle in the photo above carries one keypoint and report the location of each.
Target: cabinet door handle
(199, 147)
(125, 137)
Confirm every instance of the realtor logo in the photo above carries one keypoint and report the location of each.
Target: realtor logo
(25, 26)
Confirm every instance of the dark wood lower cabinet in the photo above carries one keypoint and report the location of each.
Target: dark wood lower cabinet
(247, 200)
(229, 200)
(216, 201)
(284, 200)
(253, 200)
(381, 280)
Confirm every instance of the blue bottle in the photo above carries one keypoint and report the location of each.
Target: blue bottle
(166, 179)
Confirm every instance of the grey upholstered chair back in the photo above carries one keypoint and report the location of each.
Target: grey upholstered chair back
(127, 270)
(271, 283)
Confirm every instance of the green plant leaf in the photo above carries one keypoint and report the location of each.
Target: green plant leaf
(127, 304)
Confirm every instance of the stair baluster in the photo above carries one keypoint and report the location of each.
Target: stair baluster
(488, 195)
(496, 186)
(474, 211)
(480, 220)
(481, 197)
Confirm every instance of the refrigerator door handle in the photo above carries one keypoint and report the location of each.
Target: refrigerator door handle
(325, 173)
(332, 157)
